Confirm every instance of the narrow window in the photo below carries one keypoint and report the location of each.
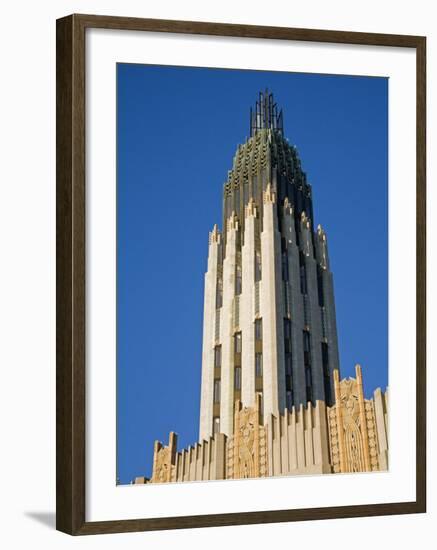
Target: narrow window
(217, 357)
(284, 266)
(309, 393)
(237, 199)
(288, 382)
(326, 375)
(287, 335)
(306, 348)
(303, 275)
(216, 391)
(261, 402)
(258, 364)
(219, 295)
(325, 356)
(289, 400)
(306, 340)
(237, 378)
(238, 280)
(258, 273)
(309, 384)
(237, 342)
(320, 286)
(288, 364)
(258, 329)
(308, 379)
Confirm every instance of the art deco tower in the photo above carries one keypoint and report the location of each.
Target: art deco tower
(269, 314)
(272, 401)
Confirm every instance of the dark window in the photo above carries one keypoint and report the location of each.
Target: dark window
(320, 286)
(287, 328)
(237, 199)
(237, 378)
(303, 275)
(246, 193)
(261, 402)
(288, 364)
(285, 265)
(216, 391)
(219, 295)
(237, 342)
(308, 378)
(325, 356)
(258, 329)
(258, 266)
(289, 400)
(287, 335)
(326, 375)
(238, 280)
(288, 382)
(306, 348)
(258, 364)
(309, 393)
(306, 341)
(218, 356)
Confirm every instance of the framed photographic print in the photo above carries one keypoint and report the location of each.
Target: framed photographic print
(240, 274)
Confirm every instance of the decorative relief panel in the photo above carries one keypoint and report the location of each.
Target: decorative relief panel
(164, 461)
(162, 467)
(333, 439)
(355, 429)
(352, 427)
(247, 449)
(371, 434)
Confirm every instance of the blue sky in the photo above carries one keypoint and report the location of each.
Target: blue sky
(177, 132)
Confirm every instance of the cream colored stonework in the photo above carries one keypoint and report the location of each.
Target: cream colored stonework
(357, 433)
(350, 436)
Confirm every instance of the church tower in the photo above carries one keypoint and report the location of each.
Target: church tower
(269, 315)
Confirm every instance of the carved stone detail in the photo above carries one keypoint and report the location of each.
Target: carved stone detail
(247, 451)
(233, 222)
(214, 235)
(352, 433)
(251, 209)
(350, 436)
(269, 195)
(164, 461)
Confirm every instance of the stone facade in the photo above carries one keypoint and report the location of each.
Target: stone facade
(269, 309)
(350, 436)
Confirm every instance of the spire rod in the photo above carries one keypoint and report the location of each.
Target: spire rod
(265, 115)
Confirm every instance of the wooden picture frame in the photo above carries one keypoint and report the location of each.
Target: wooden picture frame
(71, 283)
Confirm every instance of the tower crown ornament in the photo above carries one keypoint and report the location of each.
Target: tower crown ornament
(305, 220)
(321, 233)
(251, 209)
(214, 235)
(266, 115)
(322, 248)
(288, 208)
(269, 195)
(233, 222)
